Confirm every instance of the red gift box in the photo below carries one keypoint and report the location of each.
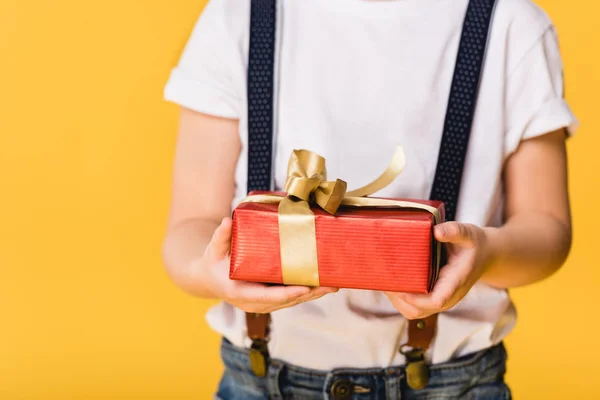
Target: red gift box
(383, 248)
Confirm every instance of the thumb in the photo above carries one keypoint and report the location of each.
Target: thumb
(220, 243)
(455, 232)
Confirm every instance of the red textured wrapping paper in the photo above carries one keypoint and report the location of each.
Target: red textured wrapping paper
(360, 248)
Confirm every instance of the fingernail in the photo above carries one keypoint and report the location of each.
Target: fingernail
(439, 231)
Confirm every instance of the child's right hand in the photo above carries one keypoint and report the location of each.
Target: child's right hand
(248, 296)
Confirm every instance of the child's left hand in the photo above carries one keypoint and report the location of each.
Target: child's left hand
(468, 255)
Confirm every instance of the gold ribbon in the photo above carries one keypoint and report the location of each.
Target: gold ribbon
(307, 184)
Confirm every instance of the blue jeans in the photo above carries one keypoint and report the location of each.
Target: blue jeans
(477, 376)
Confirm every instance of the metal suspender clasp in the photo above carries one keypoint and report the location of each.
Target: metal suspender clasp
(417, 371)
(259, 355)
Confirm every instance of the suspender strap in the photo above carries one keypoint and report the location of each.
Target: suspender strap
(461, 105)
(261, 67)
(453, 147)
(261, 81)
(457, 129)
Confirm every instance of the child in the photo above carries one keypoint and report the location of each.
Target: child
(353, 80)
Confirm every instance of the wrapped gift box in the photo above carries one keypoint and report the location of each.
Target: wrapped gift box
(375, 248)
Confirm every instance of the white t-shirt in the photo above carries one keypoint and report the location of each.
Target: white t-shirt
(357, 78)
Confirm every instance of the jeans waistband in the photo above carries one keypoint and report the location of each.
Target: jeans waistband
(481, 369)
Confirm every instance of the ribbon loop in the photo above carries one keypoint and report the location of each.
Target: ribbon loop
(302, 187)
(306, 163)
(330, 195)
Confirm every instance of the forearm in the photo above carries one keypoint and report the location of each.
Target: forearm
(527, 249)
(183, 248)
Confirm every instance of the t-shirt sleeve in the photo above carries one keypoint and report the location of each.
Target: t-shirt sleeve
(535, 103)
(209, 75)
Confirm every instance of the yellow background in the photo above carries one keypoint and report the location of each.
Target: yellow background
(86, 310)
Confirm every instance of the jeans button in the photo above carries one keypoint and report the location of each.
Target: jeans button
(342, 390)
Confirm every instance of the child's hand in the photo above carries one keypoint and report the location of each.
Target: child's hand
(248, 296)
(468, 255)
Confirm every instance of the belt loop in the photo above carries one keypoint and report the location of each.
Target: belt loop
(393, 383)
(273, 377)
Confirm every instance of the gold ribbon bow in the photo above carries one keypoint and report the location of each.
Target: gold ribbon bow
(307, 181)
(307, 184)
